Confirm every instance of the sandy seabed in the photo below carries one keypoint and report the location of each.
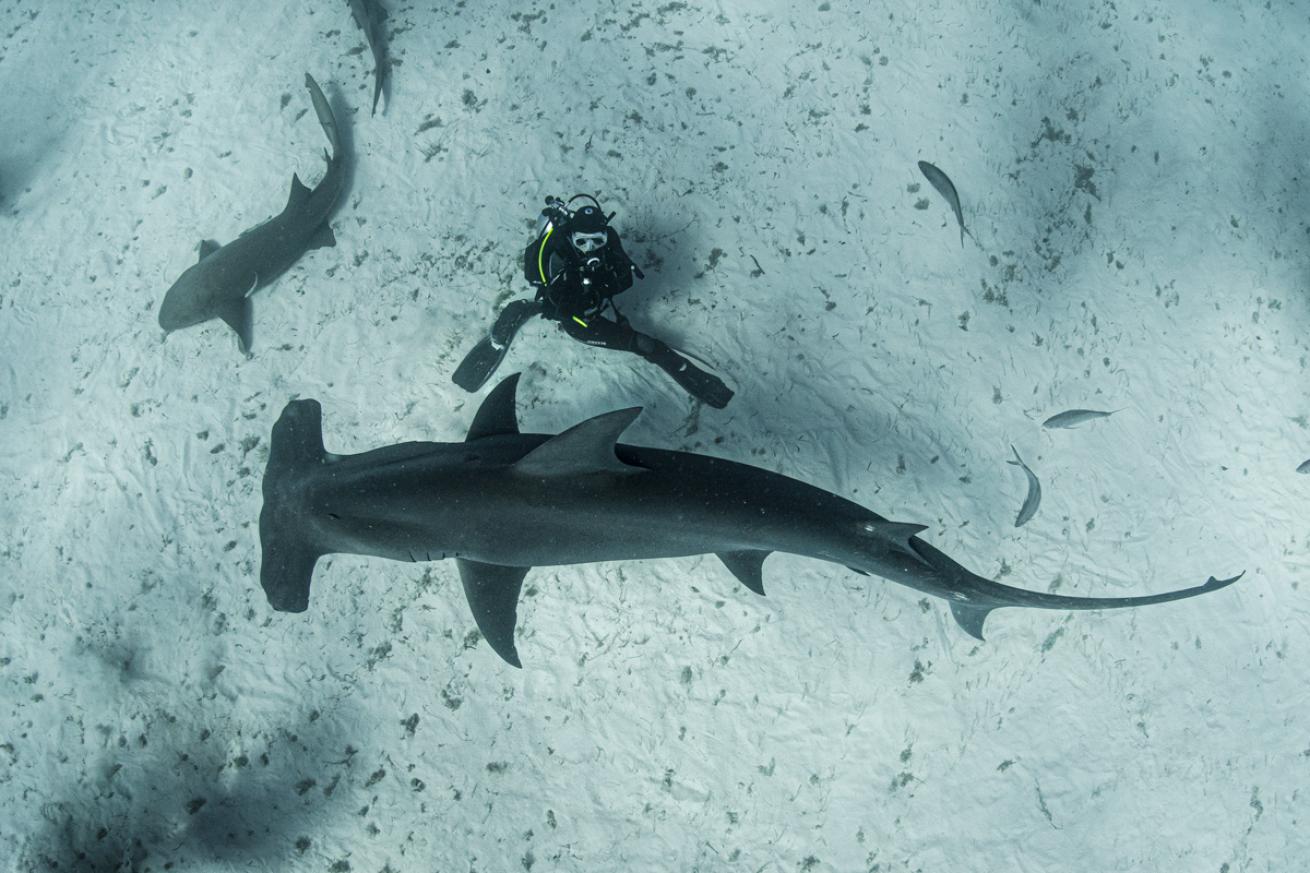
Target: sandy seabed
(1134, 176)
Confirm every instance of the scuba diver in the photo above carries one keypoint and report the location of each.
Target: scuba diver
(578, 265)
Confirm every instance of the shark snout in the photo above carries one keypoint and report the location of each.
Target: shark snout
(184, 304)
(172, 310)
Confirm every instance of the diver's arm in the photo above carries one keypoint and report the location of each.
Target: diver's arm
(621, 258)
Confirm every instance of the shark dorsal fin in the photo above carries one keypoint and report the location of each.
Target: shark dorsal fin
(299, 193)
(207, 248)
(493, 594)
(496, 416)
(584, 448)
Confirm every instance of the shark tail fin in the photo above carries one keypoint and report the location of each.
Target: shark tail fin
(287, 564)
(986, 595)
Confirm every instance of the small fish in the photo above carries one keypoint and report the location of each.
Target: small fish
(943, 184)
(1304, 468)
(1034, 498)
(1075, 417)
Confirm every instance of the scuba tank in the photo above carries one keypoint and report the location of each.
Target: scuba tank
(542, 260)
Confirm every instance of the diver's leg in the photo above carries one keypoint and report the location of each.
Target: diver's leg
(483, 359)
(515, 314)
(704, 386)
(597, 331)
(620, 336)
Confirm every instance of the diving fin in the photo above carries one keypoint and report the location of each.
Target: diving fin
(703, 386)
(478, 365)
(483, 359)
(493, 595)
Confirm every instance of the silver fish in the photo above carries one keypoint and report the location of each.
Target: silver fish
(942, 183)
(1304, 468)
(1075, 417)
(1034, 498)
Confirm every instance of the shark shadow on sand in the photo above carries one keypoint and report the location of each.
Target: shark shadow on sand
(188, 797)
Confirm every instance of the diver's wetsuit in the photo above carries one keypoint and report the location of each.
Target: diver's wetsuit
(575, 289)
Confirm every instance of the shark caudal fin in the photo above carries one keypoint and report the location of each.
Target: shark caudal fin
(972, 598)
(984, 595)
(288, 557)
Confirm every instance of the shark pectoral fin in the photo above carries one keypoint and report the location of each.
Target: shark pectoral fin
(299, 193)
(496, 415)
(323, 238)
(207, 248)
(493, 595)
(237, 316)
(747, 566)
(971, 617)
(584, 448)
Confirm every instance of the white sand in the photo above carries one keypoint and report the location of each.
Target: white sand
(1136, 180)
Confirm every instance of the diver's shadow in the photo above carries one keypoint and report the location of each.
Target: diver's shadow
(255, 808)
(658, 246)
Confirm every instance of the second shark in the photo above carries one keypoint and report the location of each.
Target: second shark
(219, 285)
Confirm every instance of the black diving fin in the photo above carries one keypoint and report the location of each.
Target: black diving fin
(483, 359)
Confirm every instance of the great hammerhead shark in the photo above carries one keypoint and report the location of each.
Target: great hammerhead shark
(219, 285)
(503, 502)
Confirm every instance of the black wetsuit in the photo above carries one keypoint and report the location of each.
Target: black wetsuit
(574, 290)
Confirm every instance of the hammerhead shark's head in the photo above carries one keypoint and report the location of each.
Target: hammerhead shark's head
(503, 502)
(219, 285)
